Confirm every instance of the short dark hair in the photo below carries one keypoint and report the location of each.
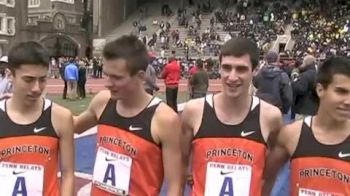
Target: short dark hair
(171, 59)
(199, 63)
(272, 57)
(240, 46)
(31, 52)
(210, 63)
(332, 66)
(129, 48)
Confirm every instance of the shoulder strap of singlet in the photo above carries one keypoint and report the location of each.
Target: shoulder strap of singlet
(305, 138)
(47, 104)
(2, 105)
(209, 100)
(308, 121)
(154, 101)
(109, 108)
(255, 102)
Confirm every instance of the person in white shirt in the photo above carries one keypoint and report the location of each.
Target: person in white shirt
(5, 84)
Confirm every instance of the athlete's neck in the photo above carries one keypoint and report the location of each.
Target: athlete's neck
(324, 120)
(239, 104)
(22, 107)
(133, 104)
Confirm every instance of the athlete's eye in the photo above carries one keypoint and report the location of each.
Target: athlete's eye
(241, 69)
(341, 91)
(43, 79)
(28, 79)
(226, 67)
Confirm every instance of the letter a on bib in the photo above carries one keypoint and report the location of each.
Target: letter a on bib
(112, 172)
(227, 187)
(20, 187)
(110, 175)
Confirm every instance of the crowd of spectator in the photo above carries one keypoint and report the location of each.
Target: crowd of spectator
(322, 32)
(261, 22)
(317, 31)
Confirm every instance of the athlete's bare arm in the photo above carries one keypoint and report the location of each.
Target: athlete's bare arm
(90, 116)
(190, 118)
(166, 129)
(271, 122)
(284, 147)
(62, 120)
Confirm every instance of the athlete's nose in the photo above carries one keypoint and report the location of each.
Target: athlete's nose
(108, 82)
(233, 75)
(347, 101)
(36, 86)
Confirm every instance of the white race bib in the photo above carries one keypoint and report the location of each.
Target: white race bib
(227, 179)
(112, 171)
(310, 192)
(21, 179)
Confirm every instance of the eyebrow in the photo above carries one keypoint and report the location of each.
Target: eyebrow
(114, 75)
(239, 65)
(31, 77)
(242, 66)
(342, 88)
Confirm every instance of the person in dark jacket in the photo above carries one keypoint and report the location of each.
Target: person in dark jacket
(199, 82)
(306, 101)
(62, 67)
(273, 84)
(95, 67)
(82, 80)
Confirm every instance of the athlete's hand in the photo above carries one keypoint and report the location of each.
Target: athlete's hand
(189, 179)
(5, 96)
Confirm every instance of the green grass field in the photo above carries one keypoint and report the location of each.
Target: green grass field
(79, 106)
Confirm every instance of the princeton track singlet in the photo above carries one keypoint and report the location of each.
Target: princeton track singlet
(128, 161)
(319, 169)
(28, 155)
(228, 159)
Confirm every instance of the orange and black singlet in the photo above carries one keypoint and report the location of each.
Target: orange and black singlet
(28, 155)
(228, 159)
(319, 169)
(128, 161)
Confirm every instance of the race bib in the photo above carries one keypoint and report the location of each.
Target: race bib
(227, 179)
(21, 179)
(112, 172)
(310, 192)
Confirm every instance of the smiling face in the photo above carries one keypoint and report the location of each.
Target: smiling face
(236, 75)
(29, 82)
(335, 98)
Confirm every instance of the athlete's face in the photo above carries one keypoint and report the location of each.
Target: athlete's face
(236, 75)
(119, 82)
(29, 82)
(336, 97)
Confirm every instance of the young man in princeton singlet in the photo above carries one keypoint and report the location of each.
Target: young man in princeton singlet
(230, 131)
(138, 139)
(36, 135)
(319, 146)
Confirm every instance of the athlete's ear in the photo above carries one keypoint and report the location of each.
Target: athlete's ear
(319, 90)
(9, 74)
(255, 71)
(141, 74)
